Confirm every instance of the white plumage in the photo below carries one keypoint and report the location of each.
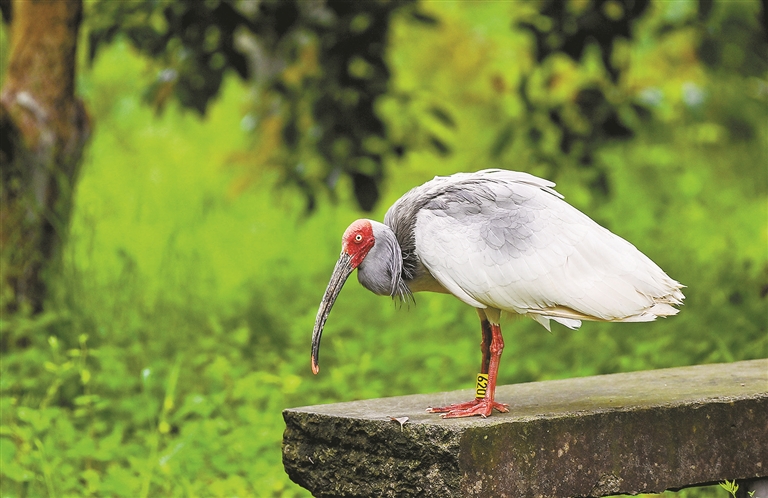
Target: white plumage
(510, 242)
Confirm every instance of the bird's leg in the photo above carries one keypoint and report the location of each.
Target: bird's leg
(458, 409)
(485, 406)
(485, 345)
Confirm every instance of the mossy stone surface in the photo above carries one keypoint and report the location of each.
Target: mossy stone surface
(632, 433)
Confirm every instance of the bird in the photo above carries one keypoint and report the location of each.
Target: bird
(500, 241)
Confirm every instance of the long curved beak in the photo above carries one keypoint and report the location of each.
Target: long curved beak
(341, 272)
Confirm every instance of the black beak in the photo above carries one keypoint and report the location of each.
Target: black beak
(341, 272)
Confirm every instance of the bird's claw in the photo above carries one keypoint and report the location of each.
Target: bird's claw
(480, 407)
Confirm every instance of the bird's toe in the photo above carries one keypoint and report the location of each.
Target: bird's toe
(454, 407)
(481, 407)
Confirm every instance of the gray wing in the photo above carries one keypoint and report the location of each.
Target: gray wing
(507, 240)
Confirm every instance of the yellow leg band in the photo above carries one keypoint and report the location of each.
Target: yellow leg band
(482, 386)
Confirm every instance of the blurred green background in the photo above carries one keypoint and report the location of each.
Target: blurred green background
(179, 324)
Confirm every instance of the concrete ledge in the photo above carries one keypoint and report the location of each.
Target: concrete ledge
(630, 433)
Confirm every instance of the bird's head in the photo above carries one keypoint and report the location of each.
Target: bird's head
(356, 243)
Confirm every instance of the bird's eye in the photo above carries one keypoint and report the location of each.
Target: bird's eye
(358, 237)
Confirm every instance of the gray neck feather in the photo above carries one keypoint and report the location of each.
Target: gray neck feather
(381, 270)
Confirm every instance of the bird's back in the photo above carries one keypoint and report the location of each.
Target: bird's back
(507, 240)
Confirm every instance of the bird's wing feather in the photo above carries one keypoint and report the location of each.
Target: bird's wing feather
(507, 240)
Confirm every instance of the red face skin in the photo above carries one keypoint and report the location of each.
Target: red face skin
(357, 241)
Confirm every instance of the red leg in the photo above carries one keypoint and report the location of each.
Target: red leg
(491, 347)
(485, 346)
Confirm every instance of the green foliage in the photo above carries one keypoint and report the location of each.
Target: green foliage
(730, 486)
(179, 326)
(317, 67)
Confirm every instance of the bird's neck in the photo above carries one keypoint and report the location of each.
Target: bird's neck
(381, 270)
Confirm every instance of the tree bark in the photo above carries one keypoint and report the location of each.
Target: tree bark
(43, 129)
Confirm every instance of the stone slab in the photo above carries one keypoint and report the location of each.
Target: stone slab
(630, 433)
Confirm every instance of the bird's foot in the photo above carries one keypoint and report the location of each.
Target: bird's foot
(480, 407)
(454, 407)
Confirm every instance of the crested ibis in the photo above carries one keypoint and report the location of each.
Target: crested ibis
(500, 241)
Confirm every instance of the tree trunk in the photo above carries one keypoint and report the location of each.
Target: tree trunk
(43, 128)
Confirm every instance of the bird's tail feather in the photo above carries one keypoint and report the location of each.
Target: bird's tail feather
(572, 318)
(544, 320)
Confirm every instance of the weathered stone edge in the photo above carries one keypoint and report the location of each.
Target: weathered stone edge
(370, 453)
(541, 457)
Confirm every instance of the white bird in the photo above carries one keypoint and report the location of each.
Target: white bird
(500, 241)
